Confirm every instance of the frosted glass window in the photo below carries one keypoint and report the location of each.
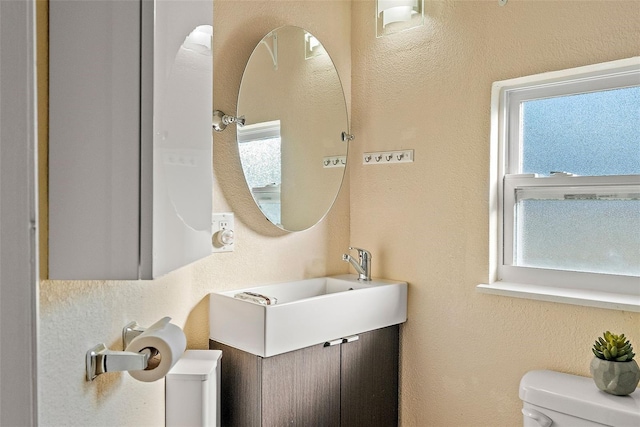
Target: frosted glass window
(585, 234)
(586, 134)
(261, 161)
(262, 164)
(595, 133)
(575, 236)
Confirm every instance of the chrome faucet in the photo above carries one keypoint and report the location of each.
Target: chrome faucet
(363, 265)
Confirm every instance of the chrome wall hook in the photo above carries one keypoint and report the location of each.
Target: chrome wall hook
(334, 161)
(220, 120)
(387, 157)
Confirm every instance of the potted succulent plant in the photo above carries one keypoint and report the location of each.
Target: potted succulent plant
(613, 369)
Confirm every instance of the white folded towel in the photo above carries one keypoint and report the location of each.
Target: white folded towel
(256, 298)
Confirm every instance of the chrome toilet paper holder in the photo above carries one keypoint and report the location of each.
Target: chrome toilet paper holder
(100, 359)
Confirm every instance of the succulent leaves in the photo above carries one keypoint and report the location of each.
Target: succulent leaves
(613, 347)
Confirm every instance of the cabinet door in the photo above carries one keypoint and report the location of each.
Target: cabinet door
(94, 146)
(302, 388)
(239, 386)
(369, 389)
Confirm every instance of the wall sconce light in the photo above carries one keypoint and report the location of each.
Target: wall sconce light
(270, 42)
(394, 16)
(312, 46)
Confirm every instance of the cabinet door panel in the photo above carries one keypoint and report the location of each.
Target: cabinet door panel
(94, 145)
(319, 386)
(239, 386)
(278, 390)
(302, 388)
(370, 379)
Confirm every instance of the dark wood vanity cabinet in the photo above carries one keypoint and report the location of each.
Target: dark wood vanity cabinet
(350, 384)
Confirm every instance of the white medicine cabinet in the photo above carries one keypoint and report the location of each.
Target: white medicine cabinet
(130, 165)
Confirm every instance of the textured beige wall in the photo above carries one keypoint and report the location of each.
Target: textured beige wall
(463, 353)
(75, 316)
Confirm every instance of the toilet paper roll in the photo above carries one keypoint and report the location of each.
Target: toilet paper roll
(169, 341)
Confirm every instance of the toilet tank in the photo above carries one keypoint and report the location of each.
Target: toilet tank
(192, 390)
(563, 400)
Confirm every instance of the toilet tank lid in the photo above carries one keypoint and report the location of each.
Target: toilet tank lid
(195, 365)
(579, 397)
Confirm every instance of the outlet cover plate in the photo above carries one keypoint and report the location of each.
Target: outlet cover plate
(222, 222)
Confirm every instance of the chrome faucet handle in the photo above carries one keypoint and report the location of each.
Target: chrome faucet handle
(362, 253)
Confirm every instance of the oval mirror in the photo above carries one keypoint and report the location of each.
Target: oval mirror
(291, 146)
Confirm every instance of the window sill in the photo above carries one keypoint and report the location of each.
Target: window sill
(581, 297)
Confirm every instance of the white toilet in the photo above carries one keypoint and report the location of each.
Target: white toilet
(563, 400)
(192, 390)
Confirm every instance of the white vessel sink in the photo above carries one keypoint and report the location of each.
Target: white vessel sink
(307, 312)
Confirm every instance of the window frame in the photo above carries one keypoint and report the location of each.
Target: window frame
(591, 289)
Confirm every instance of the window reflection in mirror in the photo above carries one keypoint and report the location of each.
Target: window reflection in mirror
(259, 146)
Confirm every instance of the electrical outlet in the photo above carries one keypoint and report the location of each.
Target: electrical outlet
(223, 238)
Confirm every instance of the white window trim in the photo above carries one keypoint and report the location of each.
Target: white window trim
(256, 131)
(622, 292)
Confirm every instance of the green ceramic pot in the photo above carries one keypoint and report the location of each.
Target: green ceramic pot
(619, 378)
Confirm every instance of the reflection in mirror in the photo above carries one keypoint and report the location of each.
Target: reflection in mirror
(295, 113)
(260, 150)
(182, 144)
(182, 151)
